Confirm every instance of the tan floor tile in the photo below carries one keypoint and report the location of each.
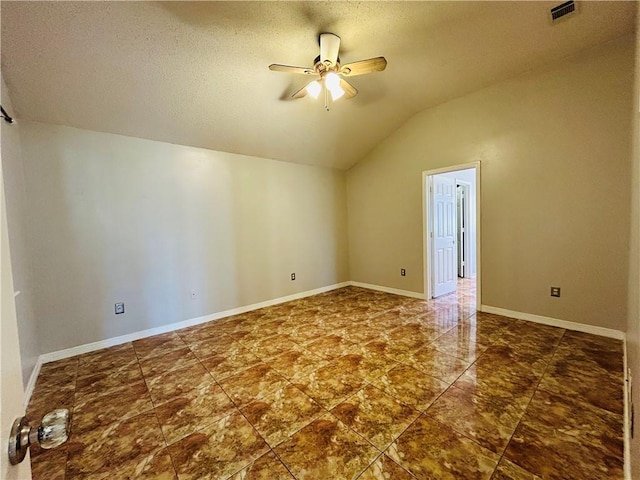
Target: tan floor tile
(202, 333)
(491, 320)
(251, 384)
(171, 360)
(399, 316)
(280, 414)
(466, 341)
(438, 364)
(529, 337)
(61, 373)
(296, 364)
(45, 398)
(365, 365)
(592, 343)
(271, 346)
(330, 385)
(412, 336)
(386, 348)
(107, 381)
(176, 383)
(216, 345)
(489, 419)
(308, 333)
(330, 347)
(429, 449)
(385, 469)
(411, 386)
(217, 451)
(157, 345)
(267, 467)
(156, 466)
(376, 356)
(325, 449)
(231, 363)
(571, 416)
(193, 411)
(49, 464)
(375, 415)
(553, 455)
(510, 471)
(106, 359)
(595, 362)
(602, 391)
(97, 451)
(360, 334)
(99, 411)
(502, 365)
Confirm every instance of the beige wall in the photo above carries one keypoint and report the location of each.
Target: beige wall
(633, 326)
(554, 148)
(13, 180)
(117, 219)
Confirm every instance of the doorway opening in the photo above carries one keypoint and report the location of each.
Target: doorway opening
(451, 202)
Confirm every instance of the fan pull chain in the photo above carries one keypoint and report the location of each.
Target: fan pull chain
(326, 98)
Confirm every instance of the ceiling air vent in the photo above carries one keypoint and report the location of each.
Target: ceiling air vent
(562, 10)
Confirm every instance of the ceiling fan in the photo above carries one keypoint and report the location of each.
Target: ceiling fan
(327, 66)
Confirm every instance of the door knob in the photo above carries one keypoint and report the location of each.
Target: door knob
(52, 432)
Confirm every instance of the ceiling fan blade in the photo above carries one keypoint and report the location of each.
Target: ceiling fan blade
(362, 67)
(349, 90)
(288, 69)
(300, 93)
(329, 47)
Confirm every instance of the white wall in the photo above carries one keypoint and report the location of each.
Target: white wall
(118, 219)
(554, 151)
(13, 174)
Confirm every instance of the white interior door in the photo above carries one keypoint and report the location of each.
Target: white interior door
(445, 275)
(11, 391)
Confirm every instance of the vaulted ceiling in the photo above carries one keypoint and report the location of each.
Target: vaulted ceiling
(195, 73)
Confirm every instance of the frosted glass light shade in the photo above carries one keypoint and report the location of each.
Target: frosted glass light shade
(314, 89)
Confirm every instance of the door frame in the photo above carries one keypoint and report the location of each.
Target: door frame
(465, 245)
(427, 222)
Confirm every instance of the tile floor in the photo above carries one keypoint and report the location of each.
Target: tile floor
(348, 384)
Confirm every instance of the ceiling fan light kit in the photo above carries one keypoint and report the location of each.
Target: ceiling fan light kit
(327, 67)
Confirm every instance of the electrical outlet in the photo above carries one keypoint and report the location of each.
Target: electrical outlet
(555, 291)
(403, 272)
(119, 308)
(293, 276)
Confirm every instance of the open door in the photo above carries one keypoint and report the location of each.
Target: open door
(11, 390)
(445, 248)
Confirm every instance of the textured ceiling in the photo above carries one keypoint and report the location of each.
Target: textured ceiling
(195, 73)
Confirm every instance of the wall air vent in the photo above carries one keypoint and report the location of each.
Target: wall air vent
(562, 10)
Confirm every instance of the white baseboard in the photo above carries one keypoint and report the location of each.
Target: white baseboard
(626, 418)
(395, 291)
(28, 391)
(555, 322)
(110, 342)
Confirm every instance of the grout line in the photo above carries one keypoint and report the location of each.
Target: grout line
(529, 402)
(265, 360)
